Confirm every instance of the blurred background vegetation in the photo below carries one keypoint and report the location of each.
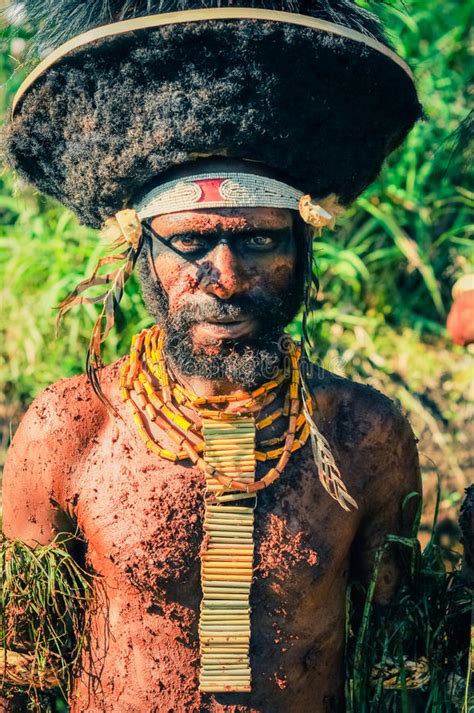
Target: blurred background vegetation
(385, 276)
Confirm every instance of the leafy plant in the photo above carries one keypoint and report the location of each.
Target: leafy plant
(412, 655)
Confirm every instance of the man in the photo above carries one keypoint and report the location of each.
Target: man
(142, 517)
(224, 574)
(460, 322)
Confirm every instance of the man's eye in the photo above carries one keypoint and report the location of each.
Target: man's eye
(187, 244)
(260, 242)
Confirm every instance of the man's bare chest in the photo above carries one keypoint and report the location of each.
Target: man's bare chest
(142, 518)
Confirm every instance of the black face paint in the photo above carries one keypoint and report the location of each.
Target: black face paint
(245, 362)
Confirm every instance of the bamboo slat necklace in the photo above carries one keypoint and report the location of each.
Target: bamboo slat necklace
(218, 435)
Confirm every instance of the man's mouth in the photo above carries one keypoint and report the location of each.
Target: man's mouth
(224, 328)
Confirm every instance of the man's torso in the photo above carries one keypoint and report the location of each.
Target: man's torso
(141, 518)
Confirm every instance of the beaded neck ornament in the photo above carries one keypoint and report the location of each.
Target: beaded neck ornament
(218, 435)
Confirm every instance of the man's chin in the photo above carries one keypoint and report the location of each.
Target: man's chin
(246, 360)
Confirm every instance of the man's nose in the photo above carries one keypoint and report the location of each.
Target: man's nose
(222, 274)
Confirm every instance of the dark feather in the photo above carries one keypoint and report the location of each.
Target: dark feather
(56, 21)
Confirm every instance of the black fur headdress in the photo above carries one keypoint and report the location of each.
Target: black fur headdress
(322, 109)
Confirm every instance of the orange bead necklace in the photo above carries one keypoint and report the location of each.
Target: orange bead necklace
(164, 407)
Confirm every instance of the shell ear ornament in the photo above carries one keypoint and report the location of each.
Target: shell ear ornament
(124, 228)
(321, 214)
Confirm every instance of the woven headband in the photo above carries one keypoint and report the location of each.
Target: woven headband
(233, 189)
(217, 190)
(201, 15)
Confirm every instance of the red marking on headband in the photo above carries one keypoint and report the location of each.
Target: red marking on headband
(210, 188)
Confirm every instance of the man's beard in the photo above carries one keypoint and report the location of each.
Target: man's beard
(246, 362)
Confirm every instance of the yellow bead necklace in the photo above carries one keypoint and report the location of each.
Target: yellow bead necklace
(163, 406)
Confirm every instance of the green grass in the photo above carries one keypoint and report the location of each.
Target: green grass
(44, 596)
(427, 623)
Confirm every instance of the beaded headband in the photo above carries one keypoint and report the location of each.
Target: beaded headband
(217, 190)
(230, 190)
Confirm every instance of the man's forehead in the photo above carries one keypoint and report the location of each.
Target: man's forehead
(222, 220)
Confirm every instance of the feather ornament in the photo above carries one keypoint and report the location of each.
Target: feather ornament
(329, 474)
(123, 229)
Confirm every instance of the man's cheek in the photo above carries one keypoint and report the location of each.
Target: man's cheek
(280, 275)
(178, 283)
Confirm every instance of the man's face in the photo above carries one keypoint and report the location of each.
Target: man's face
(225, 285)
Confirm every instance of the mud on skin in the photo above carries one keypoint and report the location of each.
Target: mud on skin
(142, 522)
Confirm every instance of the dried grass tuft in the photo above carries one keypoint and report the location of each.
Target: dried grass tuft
(413, 655)
(43, 603)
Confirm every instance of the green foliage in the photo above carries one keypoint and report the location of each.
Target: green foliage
(399, 249)
(392, 260)
(412, 655)
(43, 255)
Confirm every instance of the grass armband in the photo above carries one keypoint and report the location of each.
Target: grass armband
(43, 604)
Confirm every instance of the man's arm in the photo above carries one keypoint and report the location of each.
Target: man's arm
(33, 480)
(394, 473)
(29, 487)
(45, 450)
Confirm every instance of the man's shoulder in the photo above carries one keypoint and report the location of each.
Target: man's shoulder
(41, 467)
(373, 441)
(71, 408)
(358, 414)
